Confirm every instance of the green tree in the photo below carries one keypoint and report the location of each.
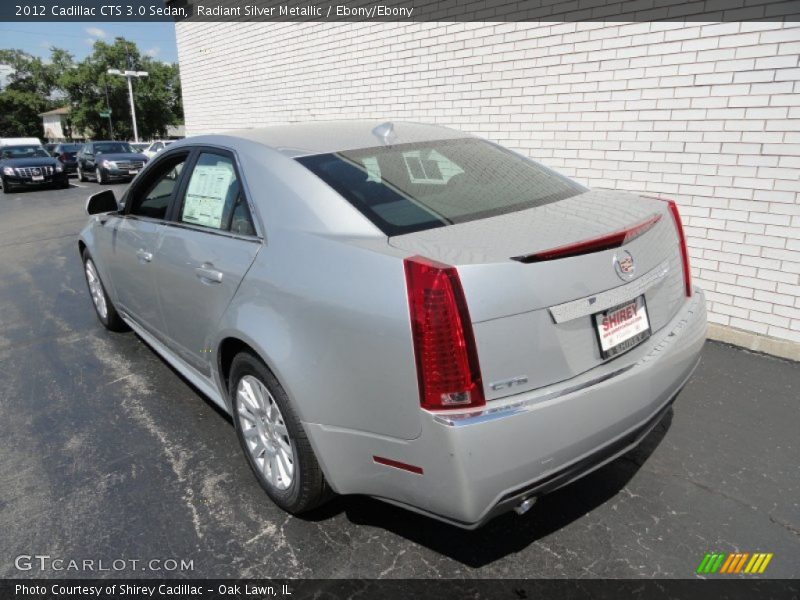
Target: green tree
(92, 90)
(29, 73)
(35, 86)
(28, 92)
(19, 113)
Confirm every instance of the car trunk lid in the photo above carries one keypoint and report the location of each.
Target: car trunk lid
(534, 278)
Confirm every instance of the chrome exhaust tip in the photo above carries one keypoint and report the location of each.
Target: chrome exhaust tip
(525, 505)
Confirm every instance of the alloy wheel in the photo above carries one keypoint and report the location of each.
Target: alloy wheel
(96, 289)
(264, 431)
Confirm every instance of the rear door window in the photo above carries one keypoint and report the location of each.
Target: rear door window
(405, 188)
(214, 198)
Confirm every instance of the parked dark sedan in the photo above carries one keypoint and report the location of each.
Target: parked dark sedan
(67, 154)
(30, 165)
(108, 161)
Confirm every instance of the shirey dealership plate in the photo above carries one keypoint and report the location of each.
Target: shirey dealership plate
(622, 327)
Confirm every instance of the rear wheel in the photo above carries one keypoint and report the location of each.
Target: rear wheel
(273, 439)
(106, 313)
(81, 176)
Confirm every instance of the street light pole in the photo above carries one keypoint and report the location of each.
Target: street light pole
(129, 75)
(133, 110)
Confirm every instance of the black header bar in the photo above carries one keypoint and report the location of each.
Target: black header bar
(397, 589)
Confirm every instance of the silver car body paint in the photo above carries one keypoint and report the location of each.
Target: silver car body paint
(319, 294)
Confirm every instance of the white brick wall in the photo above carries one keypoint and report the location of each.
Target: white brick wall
(708, 114)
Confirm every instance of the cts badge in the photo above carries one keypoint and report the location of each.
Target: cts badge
(624, 265)
(507, 383)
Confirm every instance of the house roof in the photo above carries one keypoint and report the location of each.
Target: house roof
(64, 110)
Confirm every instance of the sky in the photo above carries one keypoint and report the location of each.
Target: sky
(154, 39)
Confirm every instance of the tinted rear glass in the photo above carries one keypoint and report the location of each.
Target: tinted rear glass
(411, 187)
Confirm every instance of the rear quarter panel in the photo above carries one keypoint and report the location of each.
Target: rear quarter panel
(329, 315)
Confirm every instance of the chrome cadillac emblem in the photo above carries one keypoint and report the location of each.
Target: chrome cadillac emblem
(624, 265)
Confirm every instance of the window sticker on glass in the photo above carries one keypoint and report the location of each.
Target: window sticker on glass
(430, 167)
(205, 198)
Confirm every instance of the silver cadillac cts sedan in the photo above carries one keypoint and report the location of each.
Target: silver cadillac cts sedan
(401, 310)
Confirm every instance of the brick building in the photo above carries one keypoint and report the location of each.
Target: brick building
(707, 114)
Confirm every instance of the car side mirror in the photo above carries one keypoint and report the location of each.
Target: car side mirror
(102, 202)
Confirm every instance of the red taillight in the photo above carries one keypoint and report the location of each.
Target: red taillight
(63, 157)
(676, 218)
(444, 344)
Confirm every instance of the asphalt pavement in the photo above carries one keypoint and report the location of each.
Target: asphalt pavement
(108, 454)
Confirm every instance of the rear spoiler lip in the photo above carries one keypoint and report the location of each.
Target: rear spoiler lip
(607, 241)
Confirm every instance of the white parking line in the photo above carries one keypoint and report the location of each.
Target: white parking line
(77, 185)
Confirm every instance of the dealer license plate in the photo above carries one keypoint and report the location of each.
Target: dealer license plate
(37, 177)
(133, 171)
(622, 327)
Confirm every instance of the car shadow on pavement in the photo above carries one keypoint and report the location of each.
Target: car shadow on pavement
(508, 533)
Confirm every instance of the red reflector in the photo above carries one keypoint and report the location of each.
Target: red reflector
(606, 241)
(444, 344)
(397, 464)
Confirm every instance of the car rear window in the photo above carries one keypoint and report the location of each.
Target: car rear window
(406, 188)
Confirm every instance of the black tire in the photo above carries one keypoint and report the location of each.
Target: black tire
(99, 177)
(6, 187)
(64, 184)
(111, 321)
(308, 489)
(81, 176)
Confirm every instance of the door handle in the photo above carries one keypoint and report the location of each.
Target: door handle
(208, 274)
(143, 255)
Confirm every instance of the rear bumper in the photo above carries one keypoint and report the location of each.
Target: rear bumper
(479, 464)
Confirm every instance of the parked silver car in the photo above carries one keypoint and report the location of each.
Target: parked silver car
(403, 311)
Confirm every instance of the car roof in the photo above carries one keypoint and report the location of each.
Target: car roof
(322, 137)
(11, 146)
